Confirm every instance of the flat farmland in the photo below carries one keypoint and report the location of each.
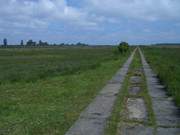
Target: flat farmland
(43, 90)
(166, 63)
(32, 64)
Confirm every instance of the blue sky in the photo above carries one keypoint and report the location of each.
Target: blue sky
(90, 21)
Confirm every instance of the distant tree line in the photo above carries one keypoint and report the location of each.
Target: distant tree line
(32, 43)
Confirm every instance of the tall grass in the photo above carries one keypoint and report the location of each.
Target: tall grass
(43, 91)
(166, 63)
(33, 64)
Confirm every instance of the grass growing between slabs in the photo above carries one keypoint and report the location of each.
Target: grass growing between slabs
(51, 104)
(166, 64)
(118, 117)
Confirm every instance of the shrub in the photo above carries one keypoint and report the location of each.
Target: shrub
(123, 47)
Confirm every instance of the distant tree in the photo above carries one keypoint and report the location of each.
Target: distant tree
(71, 44)
(31, 43)
(62, 44)
(123, 47)
(81, 44)
(5, 42)
(22, 42)
(45, 44)
(40, 43)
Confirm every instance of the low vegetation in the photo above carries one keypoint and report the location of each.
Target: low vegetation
(44, 90)
(166, 63)
(32, 64)
(123, 47)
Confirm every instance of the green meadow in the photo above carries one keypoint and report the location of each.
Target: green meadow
(43, 90)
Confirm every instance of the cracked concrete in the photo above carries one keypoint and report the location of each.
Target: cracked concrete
(134, 90)
(135, 80)
(136, 109)
(134, 129)
(166, 112)
(92, 120)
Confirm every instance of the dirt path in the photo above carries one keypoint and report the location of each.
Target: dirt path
(92, 120)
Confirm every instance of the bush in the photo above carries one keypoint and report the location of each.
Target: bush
(123, 47)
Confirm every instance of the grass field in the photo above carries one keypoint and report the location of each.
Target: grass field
(33, 64)
(166, 63)
(43, 91)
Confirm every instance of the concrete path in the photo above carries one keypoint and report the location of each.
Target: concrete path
(166, 113)
(92, 120)
(136, 109)
(135, 118)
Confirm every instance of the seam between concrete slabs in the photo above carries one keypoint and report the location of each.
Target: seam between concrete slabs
(92, 120)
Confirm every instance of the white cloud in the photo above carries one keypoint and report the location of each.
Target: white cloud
(136, 9)
(88, 18)
(22, 13)
(40, 13)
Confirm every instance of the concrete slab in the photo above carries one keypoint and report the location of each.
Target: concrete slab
(136, 109)
(167, 114)
(168, 131)
(135, 80)
(135, 129)
(156, 92)
(134, 90)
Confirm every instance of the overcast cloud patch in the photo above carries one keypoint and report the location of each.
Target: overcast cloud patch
(85, 15)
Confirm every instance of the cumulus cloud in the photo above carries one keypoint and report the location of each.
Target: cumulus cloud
(32, 13)
(136, 9)
(93, 18)
(40, 13)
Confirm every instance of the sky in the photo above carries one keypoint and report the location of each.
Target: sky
(90, 21)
